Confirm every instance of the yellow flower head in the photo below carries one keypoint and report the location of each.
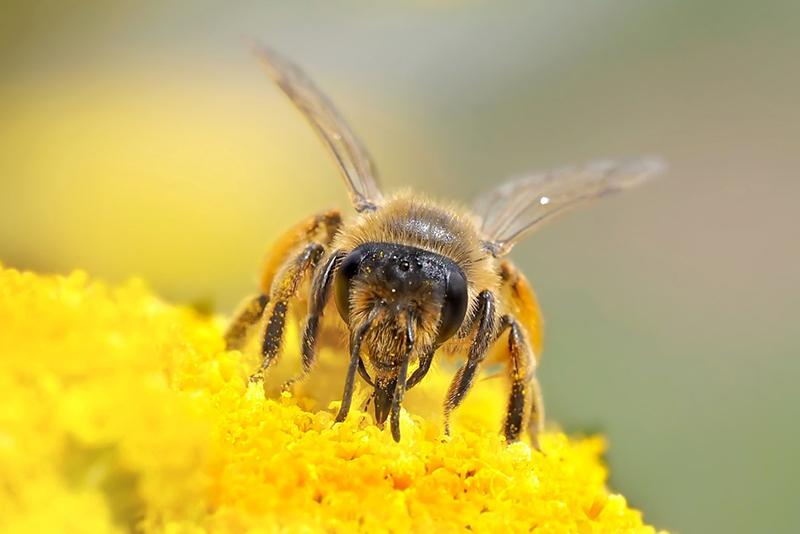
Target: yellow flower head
(122, 412)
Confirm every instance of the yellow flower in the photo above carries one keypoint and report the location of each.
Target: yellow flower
(120, 411)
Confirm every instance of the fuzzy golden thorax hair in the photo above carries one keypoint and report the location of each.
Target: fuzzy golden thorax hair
(418, 221)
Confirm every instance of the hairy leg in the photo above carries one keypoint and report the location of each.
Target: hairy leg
(285, 287)
(356, 338)
(422, 369)
(525, 409)
(317, 229)
(320, 293)
(466, 374)
(248, 315)
(524, 325)
(320, 228)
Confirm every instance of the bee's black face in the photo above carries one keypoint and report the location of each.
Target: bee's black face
(404, 280)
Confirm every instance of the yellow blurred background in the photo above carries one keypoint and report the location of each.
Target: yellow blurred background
(144, 140)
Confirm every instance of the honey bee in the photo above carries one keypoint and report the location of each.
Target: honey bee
(411, 277)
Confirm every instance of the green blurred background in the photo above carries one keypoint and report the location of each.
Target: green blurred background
(143, 139)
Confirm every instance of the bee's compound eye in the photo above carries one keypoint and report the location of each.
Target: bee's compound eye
(454, 306)
(344, 275)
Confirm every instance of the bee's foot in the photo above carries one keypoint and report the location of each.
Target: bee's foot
(340, 417)
(446, 436)
(256, 377)
(289, 384)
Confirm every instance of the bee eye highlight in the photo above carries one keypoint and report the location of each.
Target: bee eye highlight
(344, 275)
(454, 307)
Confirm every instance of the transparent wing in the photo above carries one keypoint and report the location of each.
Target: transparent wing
(353, 160)
(519, 207)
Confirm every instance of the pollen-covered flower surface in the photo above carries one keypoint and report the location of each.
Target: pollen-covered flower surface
(121, 412)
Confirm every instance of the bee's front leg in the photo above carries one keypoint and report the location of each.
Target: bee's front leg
(465, 376)
(356, 339)
(422, 369)
(320, 294)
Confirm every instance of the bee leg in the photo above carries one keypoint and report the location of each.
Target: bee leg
(355, 357)
(525, 407)
(320, 293)
(368, 402)
(248, 315)
(536, 417)
(285, 287)
(320, 228)
(524, 403)
(423, 367)
(477, 352)
(362, 370)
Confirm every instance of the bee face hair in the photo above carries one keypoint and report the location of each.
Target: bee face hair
(409, 284)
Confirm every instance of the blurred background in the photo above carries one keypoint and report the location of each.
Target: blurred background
(142, 139)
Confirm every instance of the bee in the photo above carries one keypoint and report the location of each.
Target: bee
(412, 277)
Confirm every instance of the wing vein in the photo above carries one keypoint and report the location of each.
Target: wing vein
(354, 162)
(515, 209)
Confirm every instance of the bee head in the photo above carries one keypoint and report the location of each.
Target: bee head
(400, 301)
(408, 283)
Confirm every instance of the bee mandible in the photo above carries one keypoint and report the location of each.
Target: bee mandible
(412, 277)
